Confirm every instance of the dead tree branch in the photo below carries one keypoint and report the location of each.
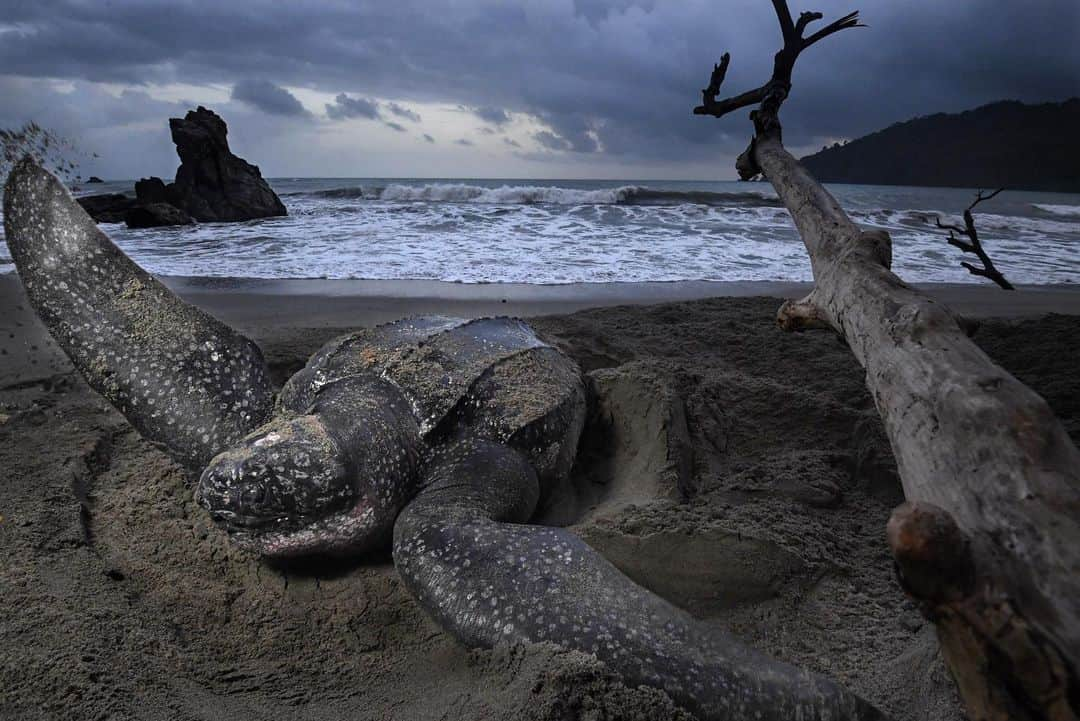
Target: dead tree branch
(991, 541)
(783, 63)
(973, 244)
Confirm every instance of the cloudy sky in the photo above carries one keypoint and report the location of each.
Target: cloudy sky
(498, 88)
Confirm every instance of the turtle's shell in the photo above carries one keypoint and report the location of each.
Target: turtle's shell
(491, 378)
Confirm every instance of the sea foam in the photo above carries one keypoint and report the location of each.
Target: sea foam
(592, 231)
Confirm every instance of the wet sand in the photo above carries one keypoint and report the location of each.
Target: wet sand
(120, 600)
(268, 304)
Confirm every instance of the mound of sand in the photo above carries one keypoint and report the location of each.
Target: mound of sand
(737, 471)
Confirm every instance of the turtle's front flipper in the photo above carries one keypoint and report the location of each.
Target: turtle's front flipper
(484, 578)
(183, 379)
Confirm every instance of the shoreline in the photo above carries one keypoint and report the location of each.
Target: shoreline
(272, 308)
(347, 303)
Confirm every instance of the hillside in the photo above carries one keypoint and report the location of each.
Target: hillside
(1008, 143)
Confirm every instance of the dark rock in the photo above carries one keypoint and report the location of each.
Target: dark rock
(151, 190)
(108, 207)
(156, 215)
(212, 184)
(95, 179)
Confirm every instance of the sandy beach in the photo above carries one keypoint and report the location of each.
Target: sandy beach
(740, 472)
(273, 307)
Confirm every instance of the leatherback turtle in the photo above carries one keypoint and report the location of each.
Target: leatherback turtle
(438, 435)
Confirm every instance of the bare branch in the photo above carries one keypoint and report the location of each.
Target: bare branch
(949, 227)
(957, 243)
(708, 95)
(979, 197)
(804, 20)
(975, 270)
(719, 108)
(850, 20)
(975, 246)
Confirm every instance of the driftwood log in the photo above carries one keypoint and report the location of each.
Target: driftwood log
(989, 541)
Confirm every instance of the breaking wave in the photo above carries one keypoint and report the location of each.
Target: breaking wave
(483, 231)
(549, 195)
(1071, 210)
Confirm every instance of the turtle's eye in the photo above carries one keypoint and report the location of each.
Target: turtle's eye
(283, 475)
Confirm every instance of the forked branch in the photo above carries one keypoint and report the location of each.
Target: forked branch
(973, 245)
(804, 20)
(777, 87)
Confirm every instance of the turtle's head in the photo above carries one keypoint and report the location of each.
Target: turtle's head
(288, 489)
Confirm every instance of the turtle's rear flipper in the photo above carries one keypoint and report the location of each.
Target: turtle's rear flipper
(487, 579)
(185, 380)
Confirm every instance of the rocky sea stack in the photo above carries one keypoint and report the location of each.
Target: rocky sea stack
(212, 184)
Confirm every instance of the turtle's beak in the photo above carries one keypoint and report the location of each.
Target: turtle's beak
(283, 475)
(233, 500)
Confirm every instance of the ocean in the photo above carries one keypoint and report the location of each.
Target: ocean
(569, 231)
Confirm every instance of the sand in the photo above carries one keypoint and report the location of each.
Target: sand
(740, 472)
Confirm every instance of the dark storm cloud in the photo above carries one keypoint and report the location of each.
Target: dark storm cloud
(611, 76)
(268, 98)
(574, 130)
(495, 116)
(345, 107)
(402, 112)
(395, 126)
(429, 138)
(464, 141)
(550, 140)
